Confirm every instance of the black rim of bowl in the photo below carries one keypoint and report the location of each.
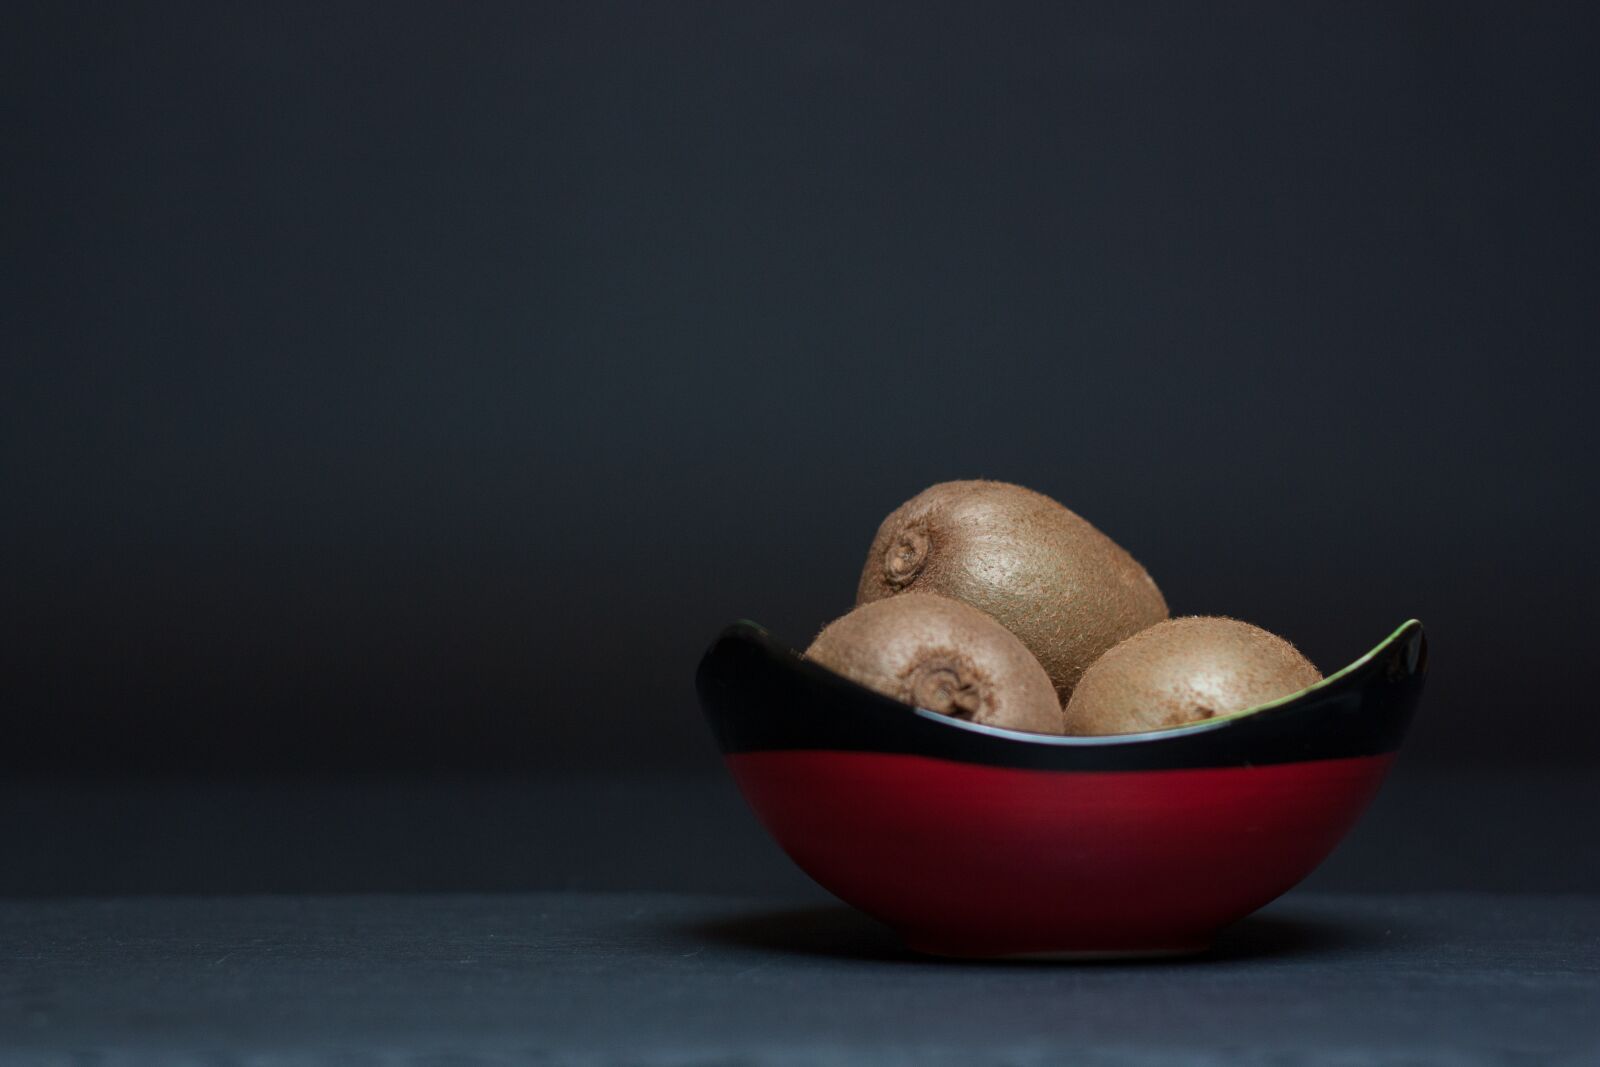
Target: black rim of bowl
(761, 695)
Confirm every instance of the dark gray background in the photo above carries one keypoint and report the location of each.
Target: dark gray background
(396, 399)
(409, 387)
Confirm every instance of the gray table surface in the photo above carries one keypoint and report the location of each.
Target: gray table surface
(683, 978)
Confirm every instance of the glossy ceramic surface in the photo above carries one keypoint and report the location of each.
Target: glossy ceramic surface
(977, 841)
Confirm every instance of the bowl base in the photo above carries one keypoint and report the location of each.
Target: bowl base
(1070, 955)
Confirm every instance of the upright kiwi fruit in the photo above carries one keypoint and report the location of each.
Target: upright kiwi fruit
(1185, 670)
(1064, 588)
(943, 655)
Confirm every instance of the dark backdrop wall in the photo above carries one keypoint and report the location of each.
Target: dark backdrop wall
(421, 386)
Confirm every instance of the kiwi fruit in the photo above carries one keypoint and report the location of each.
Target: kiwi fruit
(943, 655)
(1064, 588)
(1185, 670)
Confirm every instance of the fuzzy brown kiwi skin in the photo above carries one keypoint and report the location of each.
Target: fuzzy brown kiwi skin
(943, 655)
(1185, 670)
(1064, 588)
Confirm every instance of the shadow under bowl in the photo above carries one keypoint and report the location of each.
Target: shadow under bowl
(972, 840)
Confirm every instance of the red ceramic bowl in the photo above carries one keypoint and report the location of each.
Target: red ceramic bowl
(977, 841)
